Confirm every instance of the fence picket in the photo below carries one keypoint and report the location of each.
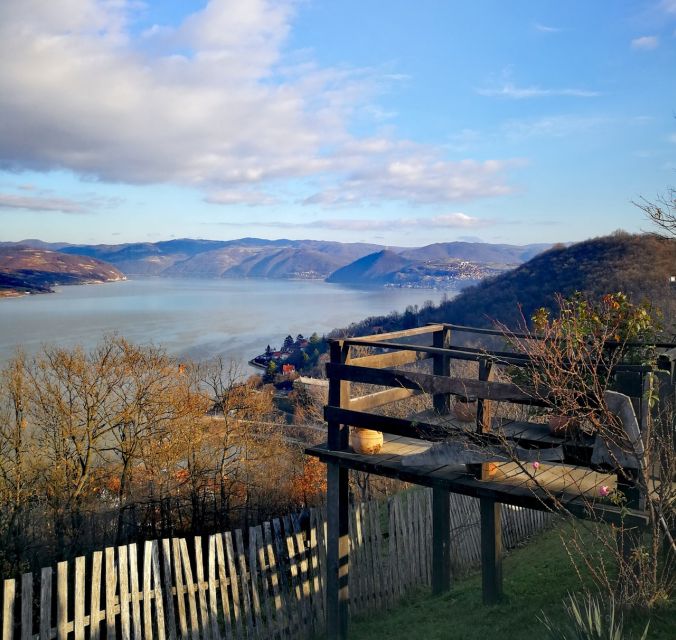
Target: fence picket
(212, 581)
(289, 602)
(46, 604)
(111, 588)
(180, 588)
(225, 600)
(8, 597)
(280, 610)
(78, 621)
(135, 592)
(234, 588)
(123, 570)
(201, 589)
(254, 582)
(61, 601)
(168, 590)
(27, 606)
(190, 588)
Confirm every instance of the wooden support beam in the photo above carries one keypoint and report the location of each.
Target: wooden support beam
(337, 548)
(337, 553)
(499, 391)
(442, 367)
(441, 541)
(491, 550)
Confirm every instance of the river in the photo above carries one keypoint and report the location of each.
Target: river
(194, 318)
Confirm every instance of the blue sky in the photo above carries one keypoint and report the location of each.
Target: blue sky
(399, 123)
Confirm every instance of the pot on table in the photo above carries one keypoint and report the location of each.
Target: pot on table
(366, 441)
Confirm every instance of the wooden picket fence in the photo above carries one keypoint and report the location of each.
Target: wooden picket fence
(269, 585)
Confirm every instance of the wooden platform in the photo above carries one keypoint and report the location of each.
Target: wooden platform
(576, 489)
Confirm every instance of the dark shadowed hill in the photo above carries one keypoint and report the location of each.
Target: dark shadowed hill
(375, 268)
(30, 270)
(639, 265)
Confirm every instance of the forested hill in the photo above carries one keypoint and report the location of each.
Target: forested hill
(26, 269)
(639, 265)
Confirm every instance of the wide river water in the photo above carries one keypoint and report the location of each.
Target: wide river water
(194, 318)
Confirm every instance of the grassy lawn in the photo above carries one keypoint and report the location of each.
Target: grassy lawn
(536, 578)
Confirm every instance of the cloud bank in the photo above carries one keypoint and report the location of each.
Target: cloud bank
(215, 103)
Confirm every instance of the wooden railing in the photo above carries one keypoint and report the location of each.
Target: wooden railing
(268, 584)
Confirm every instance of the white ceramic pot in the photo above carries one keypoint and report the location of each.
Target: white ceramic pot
(366, 441)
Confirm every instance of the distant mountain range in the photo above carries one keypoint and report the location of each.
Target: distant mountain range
(25, 269)
(357, 263)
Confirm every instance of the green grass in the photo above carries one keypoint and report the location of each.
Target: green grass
(537, 577)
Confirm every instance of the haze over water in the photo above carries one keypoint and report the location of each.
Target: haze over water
(194, 318)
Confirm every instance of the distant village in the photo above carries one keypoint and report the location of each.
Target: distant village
(301, 353)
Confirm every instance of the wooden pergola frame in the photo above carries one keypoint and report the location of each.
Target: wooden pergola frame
(383, 369)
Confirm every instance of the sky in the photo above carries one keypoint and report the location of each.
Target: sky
(399, 123)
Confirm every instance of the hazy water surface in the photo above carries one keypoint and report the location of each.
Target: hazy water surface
(190, 317)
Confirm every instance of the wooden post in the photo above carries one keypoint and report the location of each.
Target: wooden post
(441, 514)
(490, 511)
(337, 592)
(491, 550)
(441, 541)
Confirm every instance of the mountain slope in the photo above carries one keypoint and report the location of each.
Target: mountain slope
(30, 270)
(375, 268)
(476, 252)
(639, 265)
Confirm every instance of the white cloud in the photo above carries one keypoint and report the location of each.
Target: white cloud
(211, 103)
(511, 91)
(645, 43)
(9, 201)
(240, 197)
(444, 221)
(546, 29)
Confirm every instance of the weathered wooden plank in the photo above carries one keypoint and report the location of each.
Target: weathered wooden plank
(95, 614)
(256, 577)
(451, 479)
(190, 587)
(180, 588)
(157, 588)
(303, 563)
(223, 579)
(243, 575)
(294, 568)
(315, 570)
(111, 591)
(491, 551)
(429, 383)
(393, 555)
(201, 595)
(147, 592)
(170, 619)
(281, 620)
(135, 592)
(391, 359)
(353, 604)
(404, 333)
(286, 588)
(8, 597)
(212, 578)
(27, 606)
(123, 568)
(234, 588)
(441, 541)
(79, 599)
(337, 591)
(46, 604)
(378, 570)
(380, 398)
(61, 601)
